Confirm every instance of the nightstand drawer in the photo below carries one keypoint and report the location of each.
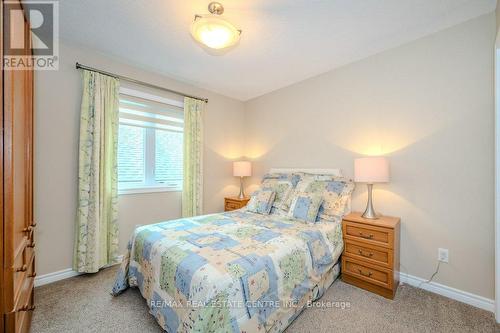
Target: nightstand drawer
(376, 275)
(368, 234)
(369, 253)
(232, 205)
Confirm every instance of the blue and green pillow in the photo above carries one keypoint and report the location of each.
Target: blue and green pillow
(305, 206)
(336, 192)
(261, 201)
(283, 184)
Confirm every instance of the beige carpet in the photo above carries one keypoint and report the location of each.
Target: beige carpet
(83, 304)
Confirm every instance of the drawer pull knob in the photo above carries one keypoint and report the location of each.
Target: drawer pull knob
(23, 268)
(32, 275)
(32, 244)
(370, 236)
(365, 254)
(27, 308)
(365, 274)
(28, 229)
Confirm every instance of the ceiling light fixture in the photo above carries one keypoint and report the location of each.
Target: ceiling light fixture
(213, 31)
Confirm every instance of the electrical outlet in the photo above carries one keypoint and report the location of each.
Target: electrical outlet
(443, 255)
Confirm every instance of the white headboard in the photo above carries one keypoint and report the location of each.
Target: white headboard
(333, 172)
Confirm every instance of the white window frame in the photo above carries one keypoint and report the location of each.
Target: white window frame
(150, 185)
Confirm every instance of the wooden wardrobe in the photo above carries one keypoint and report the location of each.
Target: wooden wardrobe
(17, 253)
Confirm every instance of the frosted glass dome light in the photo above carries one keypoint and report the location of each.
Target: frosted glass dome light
(213, 31)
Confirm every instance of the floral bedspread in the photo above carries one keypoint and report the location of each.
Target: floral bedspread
(230, 272)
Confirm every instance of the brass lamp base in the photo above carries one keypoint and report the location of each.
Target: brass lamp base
(370, 211)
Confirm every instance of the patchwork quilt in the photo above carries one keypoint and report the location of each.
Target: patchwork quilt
(230, 272)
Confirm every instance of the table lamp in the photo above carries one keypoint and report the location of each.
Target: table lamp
(371, 170)
(242, 169)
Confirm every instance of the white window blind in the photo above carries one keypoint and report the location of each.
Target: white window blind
(150, 144)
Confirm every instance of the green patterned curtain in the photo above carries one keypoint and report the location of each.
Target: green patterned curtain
(192, 190)
(96, 241)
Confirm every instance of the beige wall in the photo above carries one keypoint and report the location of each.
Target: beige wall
(57, 103)
(428, 105)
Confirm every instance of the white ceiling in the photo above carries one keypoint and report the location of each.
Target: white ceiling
(283, 41)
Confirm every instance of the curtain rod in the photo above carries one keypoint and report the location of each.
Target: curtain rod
(142, 83)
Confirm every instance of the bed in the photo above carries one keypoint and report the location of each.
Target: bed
(231, 272)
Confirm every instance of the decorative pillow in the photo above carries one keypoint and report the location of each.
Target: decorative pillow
(293, 177)
(305, 206)
(261, 201)
(335, 192)
(283, 184)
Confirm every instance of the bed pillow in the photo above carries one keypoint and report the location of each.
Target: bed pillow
(334, 190)
(305, 206)
(293, 177)
(283, 184)
(261, 201)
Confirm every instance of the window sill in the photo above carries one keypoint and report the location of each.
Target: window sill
(141, 190)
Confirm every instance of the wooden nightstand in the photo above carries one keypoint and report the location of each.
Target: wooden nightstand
(371, 253)
(233, 203)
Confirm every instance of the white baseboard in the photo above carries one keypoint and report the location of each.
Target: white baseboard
(55, 276)
(61, 275)
(456, 294)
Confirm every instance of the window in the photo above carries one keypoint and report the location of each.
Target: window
(150, 138)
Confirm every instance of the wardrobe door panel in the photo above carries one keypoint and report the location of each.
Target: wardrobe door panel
(2, 283)
(18, 266)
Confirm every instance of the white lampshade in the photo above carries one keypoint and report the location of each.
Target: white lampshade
(242, 169)
(371, 170)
